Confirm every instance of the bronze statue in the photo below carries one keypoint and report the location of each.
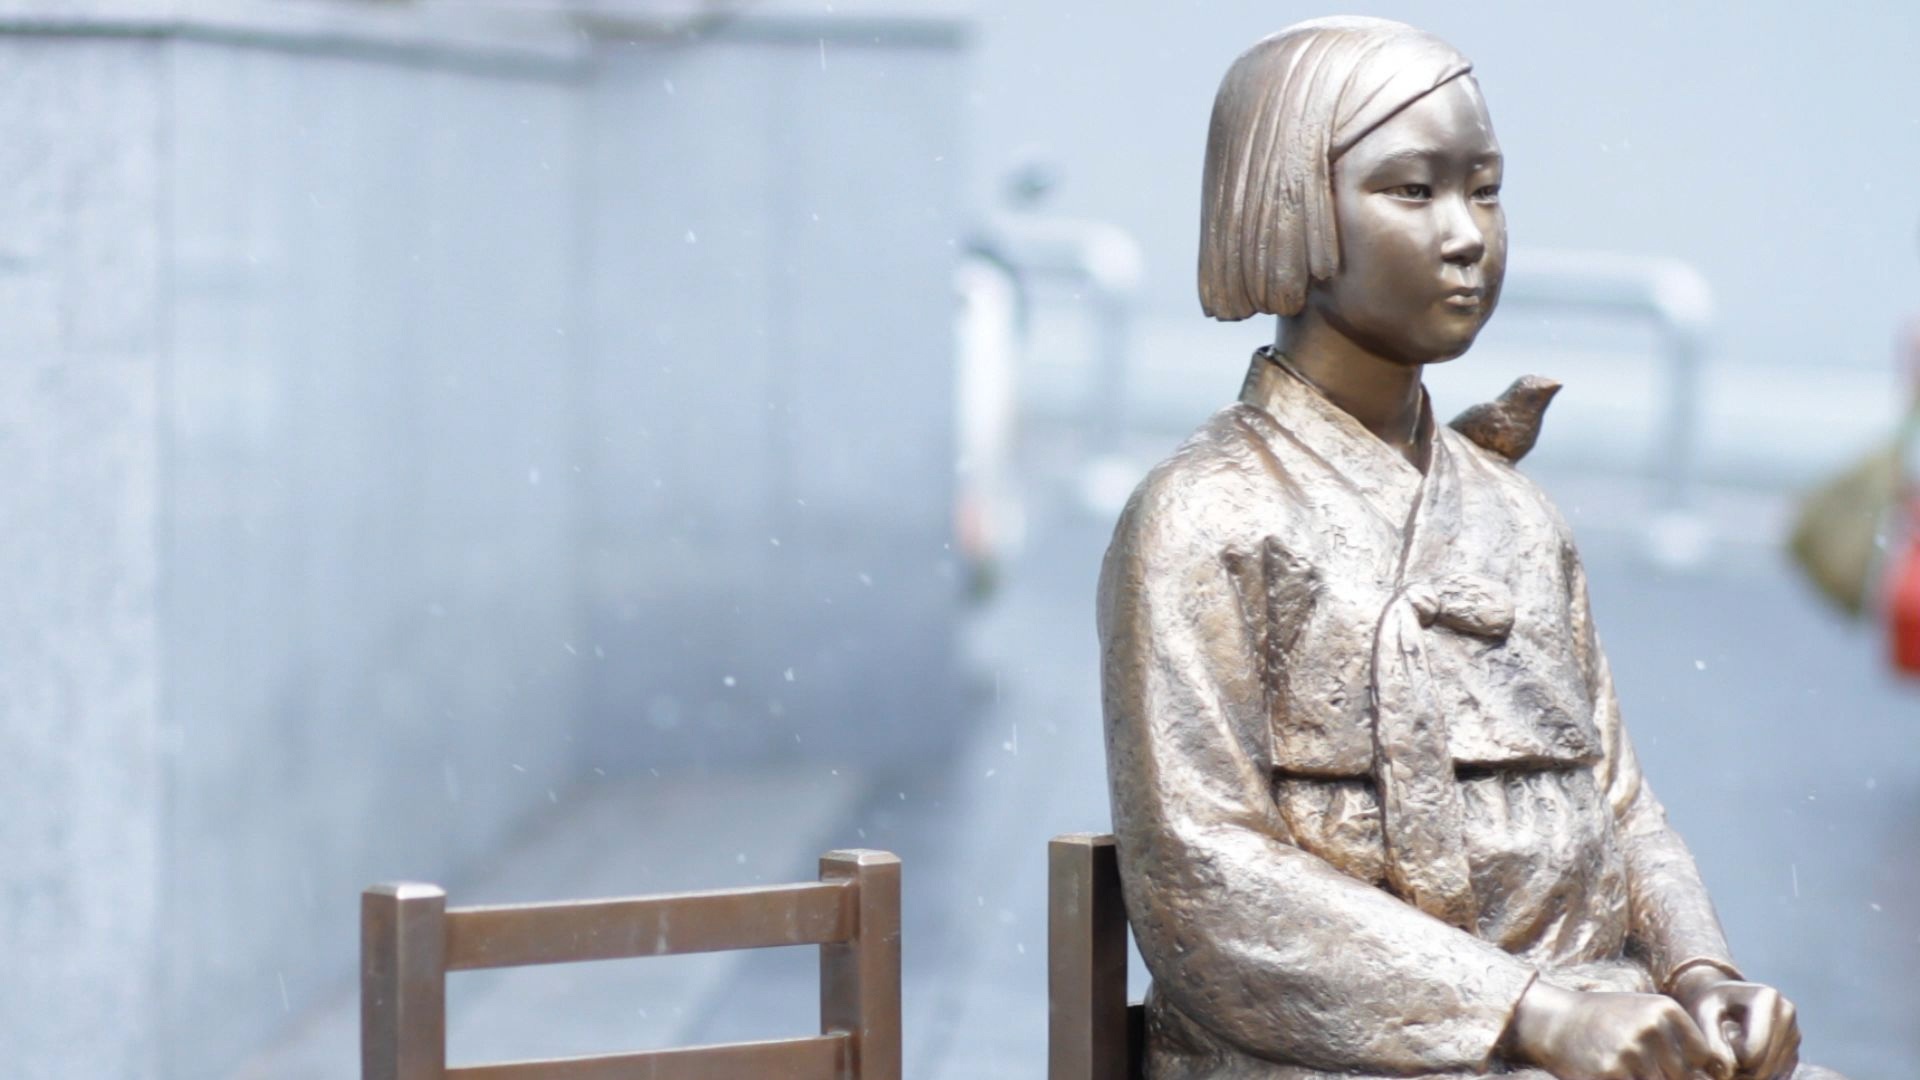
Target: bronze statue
(1375, 809)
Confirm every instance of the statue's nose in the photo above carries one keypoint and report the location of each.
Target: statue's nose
(1461, 243)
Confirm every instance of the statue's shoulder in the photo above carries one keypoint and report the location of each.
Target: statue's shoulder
(1528, 506)
(1205, 490)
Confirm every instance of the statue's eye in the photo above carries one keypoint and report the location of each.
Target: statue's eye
(1410, 191)
(1490, 193)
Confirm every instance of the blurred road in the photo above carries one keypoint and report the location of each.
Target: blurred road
(1785, 754)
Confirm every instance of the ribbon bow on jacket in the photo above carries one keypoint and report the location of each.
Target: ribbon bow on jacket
(1421, 810)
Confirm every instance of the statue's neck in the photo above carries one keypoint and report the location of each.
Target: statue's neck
(1384, 395)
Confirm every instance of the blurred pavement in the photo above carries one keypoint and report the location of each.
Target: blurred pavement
(1786, 755)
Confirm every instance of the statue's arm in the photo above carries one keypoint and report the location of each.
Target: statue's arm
(1261, 942)
(1673, 921)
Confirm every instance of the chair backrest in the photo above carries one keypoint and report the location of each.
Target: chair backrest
(1093, 1033)
(410, 939)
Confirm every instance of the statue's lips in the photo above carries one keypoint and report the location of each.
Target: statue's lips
(1465, 299)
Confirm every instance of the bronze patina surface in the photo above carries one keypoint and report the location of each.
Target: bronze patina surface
(1375, 809)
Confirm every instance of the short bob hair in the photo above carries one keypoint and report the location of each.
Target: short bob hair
(1287, 108)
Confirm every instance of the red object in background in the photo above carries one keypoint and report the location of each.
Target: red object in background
(1903, 600)
(1903, 610)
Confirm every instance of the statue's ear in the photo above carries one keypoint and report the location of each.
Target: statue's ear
(1509, 425)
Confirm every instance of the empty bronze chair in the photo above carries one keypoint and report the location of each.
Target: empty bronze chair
(1093, 1032)
(410, 939)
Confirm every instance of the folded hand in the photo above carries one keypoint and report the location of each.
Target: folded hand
(1608, 1036)
(1751, 1023)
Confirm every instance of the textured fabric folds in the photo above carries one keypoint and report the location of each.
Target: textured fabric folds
(1368, 775)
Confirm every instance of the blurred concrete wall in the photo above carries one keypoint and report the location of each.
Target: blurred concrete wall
(369, 504)
(80, 668)
(407, 414)
(770, 468)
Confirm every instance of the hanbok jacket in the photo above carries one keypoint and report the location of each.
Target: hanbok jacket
(1369, 779)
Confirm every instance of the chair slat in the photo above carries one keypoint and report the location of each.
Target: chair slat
(817, 1057)
(515, 935)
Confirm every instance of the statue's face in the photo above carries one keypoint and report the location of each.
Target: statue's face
(1423, 241)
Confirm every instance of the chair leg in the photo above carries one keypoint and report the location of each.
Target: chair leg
(1087, 1014)
(860, 980)
(403, 983)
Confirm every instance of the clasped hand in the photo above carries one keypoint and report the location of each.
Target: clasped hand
(1751, 1024)
(1713, 1026)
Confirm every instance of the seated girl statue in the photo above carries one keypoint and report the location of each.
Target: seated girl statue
(1375, 810)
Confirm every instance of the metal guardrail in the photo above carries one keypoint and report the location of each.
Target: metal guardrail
(1101, 261)
(1675, 300)
(1105, 264)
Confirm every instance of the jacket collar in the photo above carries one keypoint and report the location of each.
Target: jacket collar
(1378, 472)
